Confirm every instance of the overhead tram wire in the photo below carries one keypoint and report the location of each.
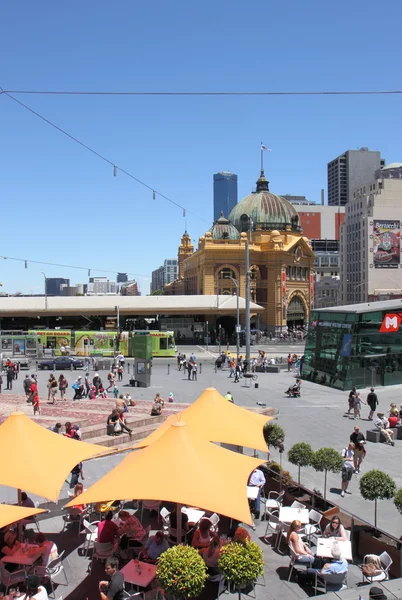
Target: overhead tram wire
(104, 158)
(89, 269)
(203, 93)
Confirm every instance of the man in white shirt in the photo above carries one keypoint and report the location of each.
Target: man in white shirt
(120, 359)
(348, 467)
(382, 424)
(257, 479)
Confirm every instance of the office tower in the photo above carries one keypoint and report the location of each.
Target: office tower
(370, 239)
(349, 171)
(169, 270)
(54, 285)
(157, 280)
(122, 277)
(225, 193)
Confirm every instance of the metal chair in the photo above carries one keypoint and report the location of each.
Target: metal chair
(214, 520)
(274, 501)
(101, 552)
(274, 524)
(165, 514)
(91, 534)
(294, 560)
(311, 529)
(297, 504)
(54, 568)
(9, 579)
(348, 533)
(74, 515)
(386, 561)
(173, 532)
(150, 505)
(331, 581)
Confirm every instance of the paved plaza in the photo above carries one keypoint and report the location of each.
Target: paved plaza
(317, 417)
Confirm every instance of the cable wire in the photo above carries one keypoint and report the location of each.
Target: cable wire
(104, 158)
(205, 93)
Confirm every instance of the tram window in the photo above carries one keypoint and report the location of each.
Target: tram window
(163, 343)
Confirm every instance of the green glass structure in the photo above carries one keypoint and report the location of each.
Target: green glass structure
(345, 347)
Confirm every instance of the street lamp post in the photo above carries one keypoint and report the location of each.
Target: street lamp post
(235, 281)
(45, 289)
(247, 226)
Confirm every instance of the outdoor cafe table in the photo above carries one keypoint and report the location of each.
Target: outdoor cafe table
(194, 514)
(252, 492)
(324, 546)
(26, 559)
(287, 514)
(140, 579)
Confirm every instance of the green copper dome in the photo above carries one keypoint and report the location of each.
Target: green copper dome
(266, 210)
(223, 229)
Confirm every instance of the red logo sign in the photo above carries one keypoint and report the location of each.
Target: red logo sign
(390, 323)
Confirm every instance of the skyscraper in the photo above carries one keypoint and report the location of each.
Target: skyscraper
(225, 193)
(122, 277)
(54, 285)
(350, 170)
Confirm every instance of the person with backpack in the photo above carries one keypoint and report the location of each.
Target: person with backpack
(348, 467)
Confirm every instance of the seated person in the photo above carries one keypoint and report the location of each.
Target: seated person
(295, 388)
(154, 547)
(185, 525)
(116, 419)
(113, 589)
(128, 399)
(157, 406)
(335, 529)
(393, 418)
(241, 535)
(49, 549)
(202, 536)
(211, 555)
(302, 550)
(121, 405)
(107, 529)
(333, 573)
(131, 531)
(79, 488)
(26, 501)
(11, 544)
(34, 589)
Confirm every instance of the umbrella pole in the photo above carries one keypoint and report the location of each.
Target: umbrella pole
(178, 520)
(20, 525)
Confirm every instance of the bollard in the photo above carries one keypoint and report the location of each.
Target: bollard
(128, 368)
(168, 369)
(200, 368)
(71, 366)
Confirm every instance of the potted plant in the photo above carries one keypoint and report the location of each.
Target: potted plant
(241, 563)
(301, 455)
(376, 485)
(327, 459)
(274, 435)
(398, 500)
(181, 572)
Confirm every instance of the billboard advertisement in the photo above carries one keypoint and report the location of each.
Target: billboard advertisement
(387, 244)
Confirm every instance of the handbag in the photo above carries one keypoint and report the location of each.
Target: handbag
(117, 427)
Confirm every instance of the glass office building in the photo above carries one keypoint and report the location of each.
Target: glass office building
(225, 193)
(357, 345)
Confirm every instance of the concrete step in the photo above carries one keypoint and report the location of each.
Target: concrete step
(98, 429)
(124, 440)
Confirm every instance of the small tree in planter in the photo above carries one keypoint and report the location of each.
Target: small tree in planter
(181, 572)
(327, 459)
(274, 435)
(376, 485)
(241, 563)
(398, 500)
(301, 455)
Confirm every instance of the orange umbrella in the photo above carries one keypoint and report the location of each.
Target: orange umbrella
(11, 514)
(218, 421)
(181, 467)
(36, 459)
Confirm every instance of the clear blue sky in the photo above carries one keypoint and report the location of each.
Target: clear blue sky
(61, 204)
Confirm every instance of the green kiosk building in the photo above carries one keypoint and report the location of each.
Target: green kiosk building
(355, 345)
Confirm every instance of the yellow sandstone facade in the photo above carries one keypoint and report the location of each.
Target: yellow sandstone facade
(281, 261)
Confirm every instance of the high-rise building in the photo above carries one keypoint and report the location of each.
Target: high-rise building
(349, 171)
(157, 280)
(225, 193)
(370, 239)
(122, 277)
(320, 222)
(101, 285)
(169, 270)
(130, 288)
(54, 285)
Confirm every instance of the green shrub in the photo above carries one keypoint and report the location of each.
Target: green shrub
(327, 459)
(398, 500)
(241, 564)
(181, 572)
(275, 470)
(377, 485)
(273, 435)
(301, 455)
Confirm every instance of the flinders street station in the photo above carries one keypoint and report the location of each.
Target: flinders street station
(280, 259)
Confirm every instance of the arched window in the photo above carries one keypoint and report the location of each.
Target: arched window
(224, 281)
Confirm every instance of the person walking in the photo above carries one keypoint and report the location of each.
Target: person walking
(372, 401)
(289, 362)
(348, 467)
(111, 380)
(351, 400)
(27, 387)
(194, 371)
(357, 404)
(10, 377)
(189, 369)
(63, 385)
(358, 439)
(88, 385)
(120, 371)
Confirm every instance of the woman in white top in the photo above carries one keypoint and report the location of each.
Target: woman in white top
(304, 554)
(335, 529)
(34, 589)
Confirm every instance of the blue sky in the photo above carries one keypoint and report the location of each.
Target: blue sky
(61, 204)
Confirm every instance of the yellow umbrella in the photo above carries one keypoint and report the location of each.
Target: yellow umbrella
(36, 459)
(181, 467)
(218, 421)
(11, 514)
